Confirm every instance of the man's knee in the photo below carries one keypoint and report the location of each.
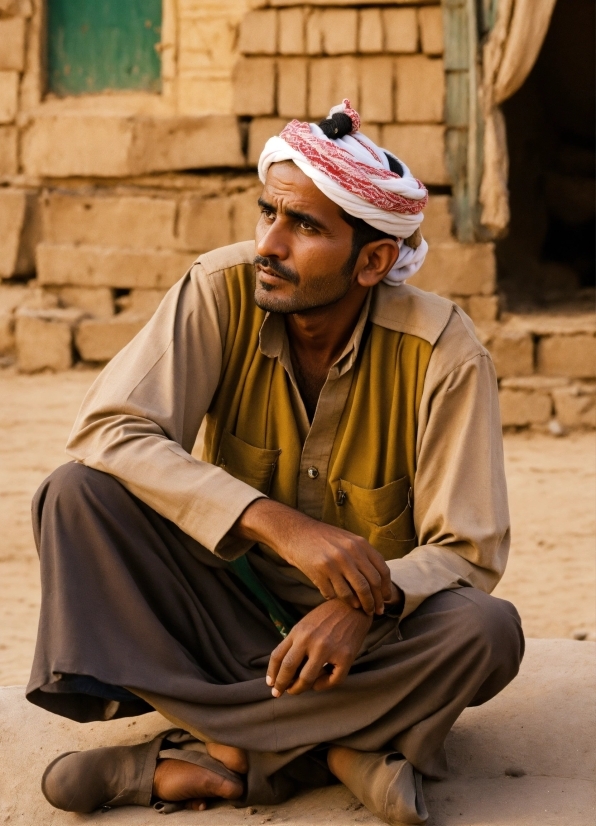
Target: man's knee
(493, 628)
(72, 483)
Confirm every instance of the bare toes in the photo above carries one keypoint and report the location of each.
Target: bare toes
(196, 805)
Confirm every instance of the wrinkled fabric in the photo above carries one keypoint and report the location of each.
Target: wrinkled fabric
(354, 173)
(508, 57)
(140, 419)
(132, 601)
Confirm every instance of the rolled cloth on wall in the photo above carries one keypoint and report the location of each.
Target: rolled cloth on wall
(356, 174)
(508, 57)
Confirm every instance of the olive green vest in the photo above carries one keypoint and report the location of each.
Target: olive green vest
(251, 428)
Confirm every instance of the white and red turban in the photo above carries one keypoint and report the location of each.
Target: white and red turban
(354, 173)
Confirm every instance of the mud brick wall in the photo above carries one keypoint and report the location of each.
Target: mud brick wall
(297, 62)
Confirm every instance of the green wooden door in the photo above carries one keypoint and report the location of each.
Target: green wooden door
(97, 45)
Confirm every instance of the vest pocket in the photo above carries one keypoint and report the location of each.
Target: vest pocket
(383, 516)
(253, 465)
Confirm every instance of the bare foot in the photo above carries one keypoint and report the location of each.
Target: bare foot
(179, 780)
(232, 758)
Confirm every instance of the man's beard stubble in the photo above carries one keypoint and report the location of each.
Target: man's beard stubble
(321, 295)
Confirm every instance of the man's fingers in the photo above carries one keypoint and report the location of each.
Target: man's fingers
(342, 590)
(311, 670)
(326, 587)
(276, 660)
(373, 578)
(288, 670)
(362, 589)
(327, 680)
(375, 558)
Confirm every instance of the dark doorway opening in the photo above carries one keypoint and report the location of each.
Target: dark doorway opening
(548, 257)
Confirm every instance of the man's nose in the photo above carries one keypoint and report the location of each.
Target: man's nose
(271, 241)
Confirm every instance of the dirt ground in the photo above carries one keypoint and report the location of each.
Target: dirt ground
(551, 575)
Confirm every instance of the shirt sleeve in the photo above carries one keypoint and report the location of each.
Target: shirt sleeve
(140, 419)
(461, 512)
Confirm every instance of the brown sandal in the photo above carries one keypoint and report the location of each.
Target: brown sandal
(388, 785)
(83, 781)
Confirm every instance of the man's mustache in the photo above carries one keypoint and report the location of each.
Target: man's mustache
(278, 268)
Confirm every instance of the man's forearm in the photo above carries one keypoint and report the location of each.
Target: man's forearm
(288, 531)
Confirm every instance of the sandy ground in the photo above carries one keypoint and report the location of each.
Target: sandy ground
(551, 575)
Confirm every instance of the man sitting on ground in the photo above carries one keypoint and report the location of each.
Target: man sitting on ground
(310, 600)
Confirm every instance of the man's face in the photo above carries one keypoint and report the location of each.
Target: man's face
(304, 247)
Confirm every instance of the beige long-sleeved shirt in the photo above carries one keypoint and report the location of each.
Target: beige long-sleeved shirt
(140, 420)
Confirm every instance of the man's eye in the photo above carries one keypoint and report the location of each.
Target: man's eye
(267, 213)
(304, 225)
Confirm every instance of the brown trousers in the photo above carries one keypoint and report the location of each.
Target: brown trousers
(137, 615)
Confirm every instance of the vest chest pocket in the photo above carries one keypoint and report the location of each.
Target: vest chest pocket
(253, 465)
(383, 516)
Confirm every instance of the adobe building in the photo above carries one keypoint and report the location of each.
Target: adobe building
(130, 132)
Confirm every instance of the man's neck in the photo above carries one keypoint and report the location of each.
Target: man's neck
(318, 338)
(320, 335)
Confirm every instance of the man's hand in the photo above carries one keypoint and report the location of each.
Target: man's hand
(330, 635)
(340, 564)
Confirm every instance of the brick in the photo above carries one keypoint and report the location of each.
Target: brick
(572, 356)
(245, 214)
(314, 32)
(376, 89)
(430, 20)
(458, 269)
(204, 223)
(258, 32)
(520, 408)
(259, 132)
(19, 231)
(575, 407)
(9, 160)
(40, 298)
(512, 353)
(401, 30)
(12, 43)
(197, 94)
(292, 87)
(331, 80)
(483, 308)
(438, 221)
(423, 149)
(87, 266)
(292, 34)
(254, 86)
(84, 144)
(11, 297)
(163, 144)
(9, 96)
(123, 221)
(340, 31)
(372, 131)
(100, 340)
(13, 212)
(144, 303)
(370, 31)
(420, 90)
(97, 301)
(44, 339)
(7, 337)
(18, 8)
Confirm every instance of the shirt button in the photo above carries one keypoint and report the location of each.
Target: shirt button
(313, 472)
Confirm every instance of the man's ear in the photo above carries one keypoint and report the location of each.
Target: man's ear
(375, 261)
